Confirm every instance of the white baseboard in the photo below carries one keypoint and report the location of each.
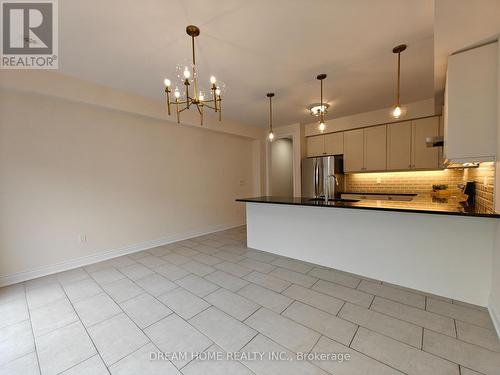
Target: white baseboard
(494, 309)
(101, 256)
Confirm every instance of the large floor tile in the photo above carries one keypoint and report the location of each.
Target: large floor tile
(139, 363)
(197, 285)
(477, 335)
(228, 256)
(25, 365)
(465, 314)
(260, 256)
(384, 324)
(392, 293)
(415, 315)
(227, 332)
(156, 284)
(13, 311)
(16, 340)
(184, 303)
(233, 268)
(44, 295)
(92, 366)
(231, 303)
(200, 269)
(289, 365)
(173, 334)
(136, 271)
(175, 258)
(145, 310)
(71, 276)
(335, 277)
(284, 331)
(322, 322)
(294, 277)
(222, 366)
(256, 265)
(82, 289)
(64, 348)
(310, 297)
(465, 354)
(52, 316)
(269, 282)
(172, 272)
(358, 364)
(226, 280)
(151, 261)
(205, 249)
(292, 264)
(122, 290)
(186, 251)
(116, 338)
(265, 297)
(401, 356)
(209, 260)
(96, 309)
(344, 293)
(107, 275)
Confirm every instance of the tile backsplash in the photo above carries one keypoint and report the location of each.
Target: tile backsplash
(420, 182)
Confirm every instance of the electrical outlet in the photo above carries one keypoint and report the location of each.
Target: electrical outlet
(82, 238)
(242, 182)
(485, 180)
(379, 180)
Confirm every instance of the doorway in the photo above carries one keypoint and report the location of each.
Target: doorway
(282, 167)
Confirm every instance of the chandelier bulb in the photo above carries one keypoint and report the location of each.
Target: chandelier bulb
(187, 73)
(396, 113)
(271, 135)
(212, 80)
(321, 127)
(177, 94)
(167, 82)
(217, 91)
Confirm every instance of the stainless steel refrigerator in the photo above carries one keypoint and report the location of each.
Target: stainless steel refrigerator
(315, 171)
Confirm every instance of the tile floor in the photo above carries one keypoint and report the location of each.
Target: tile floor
(213, 294)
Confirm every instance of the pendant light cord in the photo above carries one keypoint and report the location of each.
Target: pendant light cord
(399, 78)
(270, 114)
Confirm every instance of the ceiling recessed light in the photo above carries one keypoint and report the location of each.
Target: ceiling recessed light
(316, 108)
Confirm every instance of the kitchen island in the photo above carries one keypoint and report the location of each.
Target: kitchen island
(445, 249)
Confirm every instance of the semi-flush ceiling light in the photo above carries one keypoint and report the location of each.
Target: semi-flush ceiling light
(317, 108)
(397, 111)
(187, 76)
(321, 125)
(271, 134)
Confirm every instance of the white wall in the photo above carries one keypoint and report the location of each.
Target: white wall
(126, 180)
(282, 167)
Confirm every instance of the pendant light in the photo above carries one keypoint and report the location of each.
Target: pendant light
(322, 111)
(397, 111)
(271, 134)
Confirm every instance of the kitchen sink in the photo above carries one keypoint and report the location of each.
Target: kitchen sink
(333, 200)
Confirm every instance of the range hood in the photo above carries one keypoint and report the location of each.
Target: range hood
(450, 164)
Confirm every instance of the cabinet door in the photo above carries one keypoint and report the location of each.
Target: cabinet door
(334, 143)
(375, 148)
(424, 157)
(316, 145)
(399, 145)
(353, 151)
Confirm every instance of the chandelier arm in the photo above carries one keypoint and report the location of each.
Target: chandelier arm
(209, 106)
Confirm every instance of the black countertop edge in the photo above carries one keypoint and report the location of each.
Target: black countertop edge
(467, 212)
(400, 194)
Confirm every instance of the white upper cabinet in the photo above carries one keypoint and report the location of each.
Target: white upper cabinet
(316, 146)
(471, 105)
(334, 143)
(354, 151)
(423, 157)
(375, 152)
(399, 145)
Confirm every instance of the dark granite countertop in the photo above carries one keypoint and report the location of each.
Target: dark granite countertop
(395, 194)
(424, 206)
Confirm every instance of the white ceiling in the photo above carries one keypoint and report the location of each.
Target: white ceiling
(255, 47)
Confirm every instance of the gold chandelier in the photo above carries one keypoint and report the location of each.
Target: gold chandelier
(187, 77)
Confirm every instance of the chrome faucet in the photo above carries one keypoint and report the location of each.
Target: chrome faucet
(327, 186)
